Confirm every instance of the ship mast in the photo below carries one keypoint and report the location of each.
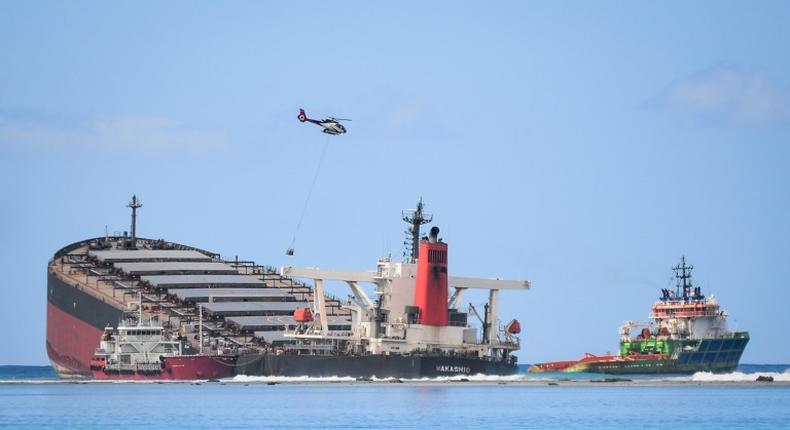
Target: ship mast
(140, 308)
(683, 276)
(415, 218)
(134, 204)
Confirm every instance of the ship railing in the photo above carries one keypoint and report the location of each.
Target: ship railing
(489, 358)
(684, 314)
(686, 305)
(114, 238)
(508, 345)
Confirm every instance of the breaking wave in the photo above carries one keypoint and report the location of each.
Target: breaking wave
(454, 378)
(248, 378)
(35, 375)
(99, 381)
(739, 376)
(477, 378)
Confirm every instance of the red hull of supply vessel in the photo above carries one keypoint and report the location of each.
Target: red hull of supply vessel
(148, 351)
(582, 363)
(181, 368)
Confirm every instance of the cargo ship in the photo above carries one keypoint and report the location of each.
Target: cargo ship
(688, 334)
(211, 317)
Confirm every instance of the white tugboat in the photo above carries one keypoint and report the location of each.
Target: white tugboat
(148, 351)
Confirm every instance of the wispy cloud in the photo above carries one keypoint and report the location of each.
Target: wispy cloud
(41, 129)
(726, 93)
(401, 115)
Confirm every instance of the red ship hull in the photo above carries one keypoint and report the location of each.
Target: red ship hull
(179, 368)
(75, 323)
(71, 343)
(584, 363)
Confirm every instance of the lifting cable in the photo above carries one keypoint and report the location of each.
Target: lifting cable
(290, 250)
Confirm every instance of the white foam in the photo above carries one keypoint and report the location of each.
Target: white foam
(102, 381)
(475, 378)
(454, 378)
(247, 378)
(287, 379)
(30, 381)
(739, 376)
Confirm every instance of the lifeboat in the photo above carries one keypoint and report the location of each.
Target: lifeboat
(303, 315)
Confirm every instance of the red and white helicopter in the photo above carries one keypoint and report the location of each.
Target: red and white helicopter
(330, 125)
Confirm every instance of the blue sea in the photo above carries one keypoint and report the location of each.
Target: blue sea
(31, 398)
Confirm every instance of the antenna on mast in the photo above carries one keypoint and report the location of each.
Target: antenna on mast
(134, 204)
(415, 218)
(683, 276)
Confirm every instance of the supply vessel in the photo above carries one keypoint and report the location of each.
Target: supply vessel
(202, 316)
(140, 350)
(688, 334)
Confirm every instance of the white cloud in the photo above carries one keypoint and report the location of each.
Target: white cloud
(401, 115)
(727, 93)
(38, 129)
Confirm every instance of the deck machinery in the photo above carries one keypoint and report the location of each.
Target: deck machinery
(413, 313)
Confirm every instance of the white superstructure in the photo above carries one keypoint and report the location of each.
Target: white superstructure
(392, 323)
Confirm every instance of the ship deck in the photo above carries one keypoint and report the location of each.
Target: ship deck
(174, 280)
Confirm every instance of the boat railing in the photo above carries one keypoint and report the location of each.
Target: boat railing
(665, 314)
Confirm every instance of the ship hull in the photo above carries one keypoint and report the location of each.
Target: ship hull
(75, 322)
(658, 367)
(708, 355)
(81, 303)
(369, 366)
(179, 368)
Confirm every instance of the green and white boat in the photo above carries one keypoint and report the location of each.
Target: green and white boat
(688, 334)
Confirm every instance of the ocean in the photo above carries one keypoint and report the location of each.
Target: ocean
(31, 398)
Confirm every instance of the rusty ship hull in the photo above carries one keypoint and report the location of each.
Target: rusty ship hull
(75, 321)
(80, 306)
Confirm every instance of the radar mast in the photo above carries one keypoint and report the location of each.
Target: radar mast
(415, 218)
(134, 205)
(683, 276)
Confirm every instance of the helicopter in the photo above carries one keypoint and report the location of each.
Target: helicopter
(330, 125)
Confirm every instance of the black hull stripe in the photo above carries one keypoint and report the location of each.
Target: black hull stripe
(81, 305)
(380, 366)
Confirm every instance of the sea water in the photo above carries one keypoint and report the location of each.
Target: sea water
(31, 399)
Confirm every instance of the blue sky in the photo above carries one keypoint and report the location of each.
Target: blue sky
(582, 146)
